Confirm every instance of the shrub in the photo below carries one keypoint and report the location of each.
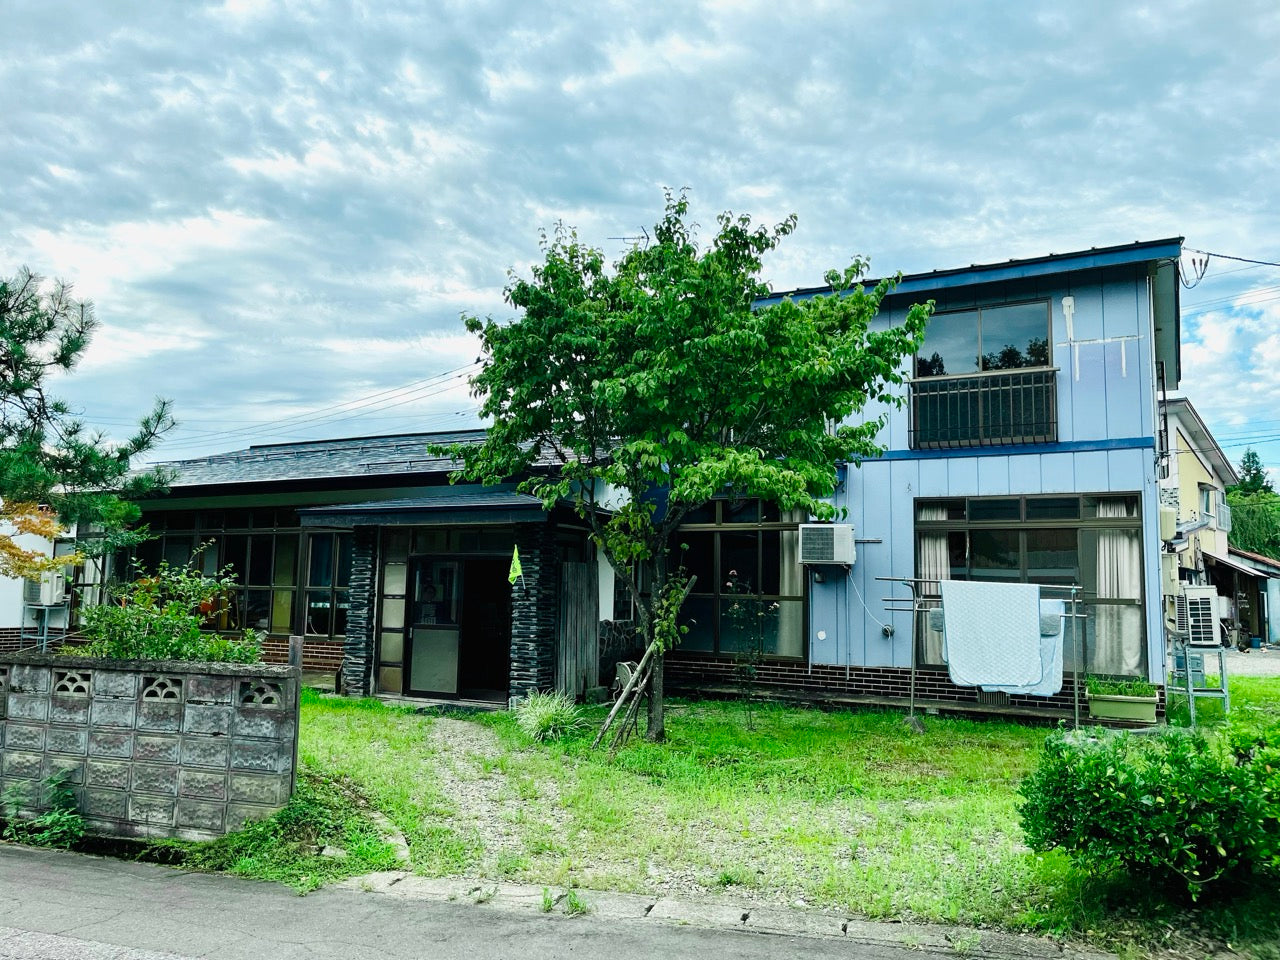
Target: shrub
(161, 617)
(547, 716)
(1174, 808)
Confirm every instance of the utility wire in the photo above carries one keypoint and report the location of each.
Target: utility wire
(1227, 256)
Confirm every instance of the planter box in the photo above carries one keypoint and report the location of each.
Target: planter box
(152, 748)
(1110, 706)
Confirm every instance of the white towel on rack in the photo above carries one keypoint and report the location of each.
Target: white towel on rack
(992, 633)
(1051, 614)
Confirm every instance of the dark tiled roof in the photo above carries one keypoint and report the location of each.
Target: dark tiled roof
(449, 499)
(471, 504)
(398, 454)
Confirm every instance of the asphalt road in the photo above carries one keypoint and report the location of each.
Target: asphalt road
(71, 907)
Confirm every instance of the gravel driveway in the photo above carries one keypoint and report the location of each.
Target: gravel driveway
(1253, 663)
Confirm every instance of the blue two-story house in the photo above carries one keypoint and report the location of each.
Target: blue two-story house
(1029, 449)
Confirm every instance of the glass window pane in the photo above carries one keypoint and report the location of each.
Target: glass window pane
(784, 635)
(1015, 336)
(147, 555)
(263, 517)
(342, 603)
(397, 545)
(257, 613)
(320, 567)
(237, 519)
(394, 578)
(345, 549)
(392, 647)
(703, 514)
(958, 554)
(1053, 508)
(1052, 556)
(699, 559)
(235, 554)
(286, 572)
(741, 511)
(260, 559)
(739, 558)
(994, 555)
(390, 680)
(431, 541)
(282, 611)
(393, 612)
(319, 613)
(995, 509)
(177, 550)
(940, 510)
(745, 621)
(211, 520)
(698, 615)
(950, 345)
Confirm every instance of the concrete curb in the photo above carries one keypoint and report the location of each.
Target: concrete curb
(634, 908)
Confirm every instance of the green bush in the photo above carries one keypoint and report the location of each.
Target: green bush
(161, 616)
(546, 716)
(1175, 808)
(60, 825)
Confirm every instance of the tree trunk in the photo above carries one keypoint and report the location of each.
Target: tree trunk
(656, 731)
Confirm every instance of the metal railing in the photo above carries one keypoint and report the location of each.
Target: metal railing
(985, 409)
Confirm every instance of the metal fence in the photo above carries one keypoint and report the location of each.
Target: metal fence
(984, 409)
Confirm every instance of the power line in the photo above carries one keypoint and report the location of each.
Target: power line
(1227, 256)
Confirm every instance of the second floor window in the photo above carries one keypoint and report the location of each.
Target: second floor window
(1008, 337)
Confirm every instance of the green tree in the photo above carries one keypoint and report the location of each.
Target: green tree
(1255, 523)
(661, 380)
(47, 457)
(1253, 476)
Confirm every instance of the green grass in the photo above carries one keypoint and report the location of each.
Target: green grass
(848, 810)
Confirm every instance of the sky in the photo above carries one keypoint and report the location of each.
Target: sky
(281, 210)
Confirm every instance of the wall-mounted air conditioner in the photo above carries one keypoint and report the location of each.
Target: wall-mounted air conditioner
(1198, 610)
(827, 543)
(48, 590)
(1168, 523)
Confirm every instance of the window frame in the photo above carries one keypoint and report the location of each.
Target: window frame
(1047, 302)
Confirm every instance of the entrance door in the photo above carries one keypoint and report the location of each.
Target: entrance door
(485, 666)
(434, 595)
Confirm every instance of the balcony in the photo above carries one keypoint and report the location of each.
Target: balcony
(993, 408)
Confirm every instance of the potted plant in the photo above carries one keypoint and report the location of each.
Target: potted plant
(1129, 698)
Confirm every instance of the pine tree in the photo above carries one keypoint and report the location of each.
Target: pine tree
(50, 464)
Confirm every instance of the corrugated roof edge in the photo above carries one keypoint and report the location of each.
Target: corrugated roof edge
(1013, 269)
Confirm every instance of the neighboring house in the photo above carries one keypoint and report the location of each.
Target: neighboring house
(1028, 450)
(40, 609)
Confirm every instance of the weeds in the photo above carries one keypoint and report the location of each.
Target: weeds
(58, 825)
(547, 716)
(575, 906)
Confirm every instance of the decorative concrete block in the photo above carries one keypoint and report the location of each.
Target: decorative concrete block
(25, 736)
(202, 718)
(110, 744)
(202, 689)
(198, 751)
(261, 756)
(113, 713)
(111, 804)
(69, 710)
(23, 706)
(203, 785)
(23, 766)
(67, 769)
(25, 678)
(238, 814)
(67, 740)
(202, 816)
(107, 774)
(155, 778)
(263, 723)
(156, 748)
(256, 789)
(152, 811)
(160, 716)
(119, 684)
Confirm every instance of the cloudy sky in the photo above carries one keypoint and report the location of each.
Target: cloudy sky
(281, 209)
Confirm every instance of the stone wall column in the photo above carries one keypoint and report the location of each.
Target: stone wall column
(535, 611)
(358, 650)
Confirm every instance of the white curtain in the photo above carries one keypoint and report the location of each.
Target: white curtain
(791, 584)
(1117, 642)
(933, 563)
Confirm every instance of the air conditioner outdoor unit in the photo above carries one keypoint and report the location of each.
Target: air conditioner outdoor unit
(48, 590)
(1198, 610)
(827, 543)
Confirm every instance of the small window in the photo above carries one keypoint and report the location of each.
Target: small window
(1053, 508)
(995, 509)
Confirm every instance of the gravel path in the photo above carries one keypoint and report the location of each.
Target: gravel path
(1254, 663)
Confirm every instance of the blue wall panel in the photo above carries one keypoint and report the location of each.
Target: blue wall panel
(1024, 474)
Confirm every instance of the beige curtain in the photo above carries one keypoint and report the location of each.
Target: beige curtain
(933, 563)
(1117, 642)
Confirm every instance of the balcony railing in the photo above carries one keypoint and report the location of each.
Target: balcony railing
(984, 409)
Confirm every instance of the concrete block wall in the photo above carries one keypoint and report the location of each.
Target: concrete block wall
(151, 748)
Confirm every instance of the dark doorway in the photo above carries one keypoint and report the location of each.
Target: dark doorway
(484, 668)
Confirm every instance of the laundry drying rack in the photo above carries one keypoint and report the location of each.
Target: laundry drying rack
(920, 602)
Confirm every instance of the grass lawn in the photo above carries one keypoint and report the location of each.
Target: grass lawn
(845, 810)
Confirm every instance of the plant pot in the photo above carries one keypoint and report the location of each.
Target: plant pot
(1110, 706)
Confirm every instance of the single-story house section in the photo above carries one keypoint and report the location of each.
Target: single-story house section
(393, 577)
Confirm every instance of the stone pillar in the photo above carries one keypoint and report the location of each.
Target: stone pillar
(535, 608)
(358, 650)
